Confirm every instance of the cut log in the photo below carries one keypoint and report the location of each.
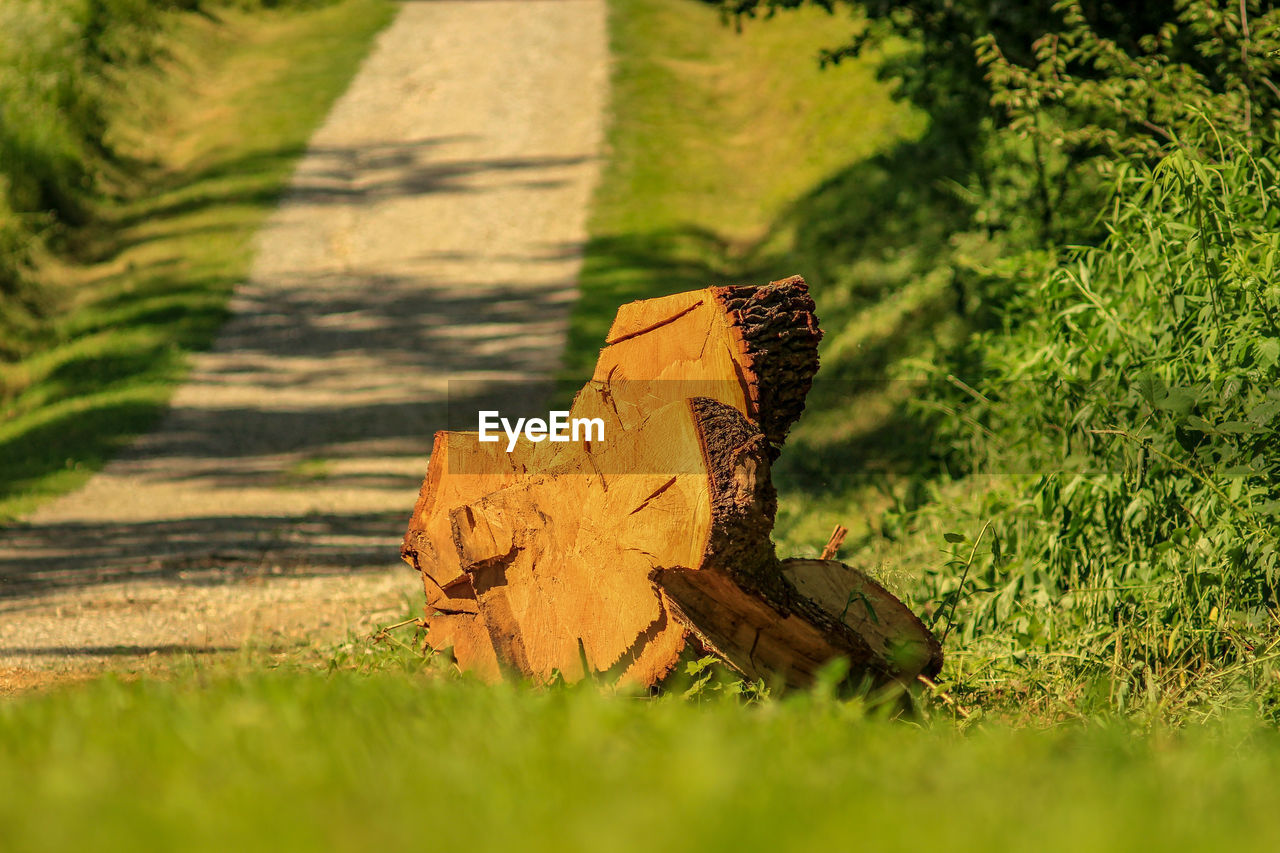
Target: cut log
(618, 558)
(572, 594)
(462, 470)
(752, 348)
(894, 633)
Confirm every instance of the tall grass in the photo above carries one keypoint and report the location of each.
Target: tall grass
(61, 67)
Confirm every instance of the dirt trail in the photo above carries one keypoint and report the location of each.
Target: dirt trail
(432, 233)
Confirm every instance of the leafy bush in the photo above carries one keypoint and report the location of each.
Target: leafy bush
(1129, 410)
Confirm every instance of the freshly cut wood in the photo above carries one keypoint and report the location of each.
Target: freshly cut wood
(752, 348)
(462, 470)
(572, 594)
(620, 557)
(827, 610)
(465, 636)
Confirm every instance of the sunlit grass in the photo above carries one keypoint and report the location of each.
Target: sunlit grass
(714, 133)
(393, 753)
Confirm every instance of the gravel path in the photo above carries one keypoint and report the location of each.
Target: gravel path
(432, 233)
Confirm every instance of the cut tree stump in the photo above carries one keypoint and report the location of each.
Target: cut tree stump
(618, 558)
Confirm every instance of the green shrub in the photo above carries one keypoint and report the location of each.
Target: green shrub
(1127, 413)
(1103, 202)
(1123, 398)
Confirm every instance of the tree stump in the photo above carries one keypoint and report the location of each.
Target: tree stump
(617, 558)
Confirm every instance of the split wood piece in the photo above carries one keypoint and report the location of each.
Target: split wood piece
(889, 627)
(740, 345)
(746, 607)
(461, 470)
(754, 348)
(560, 563)
(600, 584)
(464, 636)
(790, 642)
(745, 336)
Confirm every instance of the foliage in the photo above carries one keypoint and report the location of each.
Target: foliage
(1122, 402)
(1129, 407)
(1033, 99)
(1104, 406)
(1091, 97)
(944, 74)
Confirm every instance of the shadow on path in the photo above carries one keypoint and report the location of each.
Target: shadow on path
(37, 557)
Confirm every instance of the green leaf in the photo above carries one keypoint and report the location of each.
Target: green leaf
(1178, 400)
(954, 537)
(1241, 427)
(1267, 351)
(1200, 423)
(1264, 413)
(1151, 388)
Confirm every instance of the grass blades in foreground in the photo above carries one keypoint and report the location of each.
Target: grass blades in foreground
(403, 758)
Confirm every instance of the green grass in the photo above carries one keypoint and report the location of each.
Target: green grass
(210, 136)
(392, 755)
(714, 134)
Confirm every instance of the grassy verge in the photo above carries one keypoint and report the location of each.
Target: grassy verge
(713, 135)
(212, 134)
(401, 758)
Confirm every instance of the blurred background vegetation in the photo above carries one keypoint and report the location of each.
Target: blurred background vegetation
(61, 67)
(142, 144)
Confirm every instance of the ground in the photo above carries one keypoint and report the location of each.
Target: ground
(431, 235)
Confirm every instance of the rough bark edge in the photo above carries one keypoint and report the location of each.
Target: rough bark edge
(778, 334)
(414, 542)
(743, 499)
(739, 545)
